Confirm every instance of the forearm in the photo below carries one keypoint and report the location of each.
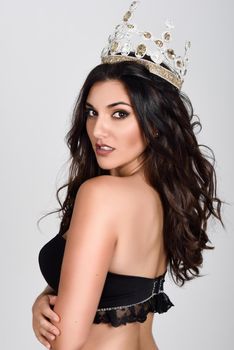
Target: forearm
(68, 344)
(67, 339)
(70, 337)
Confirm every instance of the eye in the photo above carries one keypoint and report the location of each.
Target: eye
(122, 114)
(88, 112)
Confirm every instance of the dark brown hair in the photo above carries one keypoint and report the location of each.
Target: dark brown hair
(174, 163)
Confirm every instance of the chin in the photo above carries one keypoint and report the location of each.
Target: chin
(103, 167)
(107, 165)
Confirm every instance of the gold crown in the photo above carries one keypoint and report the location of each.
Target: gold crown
(127, 40)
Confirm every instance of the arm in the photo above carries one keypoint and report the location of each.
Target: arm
(88, 253)
(42, 316)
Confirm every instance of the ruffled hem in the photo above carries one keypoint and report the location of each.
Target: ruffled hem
(159, 303)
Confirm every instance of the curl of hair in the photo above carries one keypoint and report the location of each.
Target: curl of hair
(174, 164)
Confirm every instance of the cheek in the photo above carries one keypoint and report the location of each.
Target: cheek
(131, 135)
(89, 129)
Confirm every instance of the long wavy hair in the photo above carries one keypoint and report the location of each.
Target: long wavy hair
(174, 164)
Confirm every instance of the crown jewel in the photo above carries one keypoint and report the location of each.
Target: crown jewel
(127, 39)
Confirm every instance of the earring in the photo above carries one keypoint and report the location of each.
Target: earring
(155, 133)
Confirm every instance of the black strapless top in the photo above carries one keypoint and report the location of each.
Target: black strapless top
(124, 298)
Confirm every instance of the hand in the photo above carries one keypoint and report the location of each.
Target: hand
(42, 318)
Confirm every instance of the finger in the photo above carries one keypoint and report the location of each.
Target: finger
(47, 335)
(43, 341)
(52, 298)
(50, 314)
(48, 327)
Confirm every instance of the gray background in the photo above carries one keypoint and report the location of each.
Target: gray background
(47, 49)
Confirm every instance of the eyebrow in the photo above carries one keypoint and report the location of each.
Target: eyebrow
(112, 104)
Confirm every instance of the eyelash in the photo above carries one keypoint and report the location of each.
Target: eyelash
(119, 111)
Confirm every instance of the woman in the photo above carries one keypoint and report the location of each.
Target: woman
(156, 188)
(133, 208)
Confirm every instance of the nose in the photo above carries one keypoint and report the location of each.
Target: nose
(101, 127)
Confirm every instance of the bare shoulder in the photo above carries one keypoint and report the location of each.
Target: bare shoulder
(103, 185)
(104, 193)
(96, 207)
(120, 191)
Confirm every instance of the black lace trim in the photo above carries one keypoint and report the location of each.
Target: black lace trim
(159, 303)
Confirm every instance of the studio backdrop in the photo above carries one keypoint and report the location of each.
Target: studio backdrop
(47, 49)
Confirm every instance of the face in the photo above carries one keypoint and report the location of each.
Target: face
(111, 121)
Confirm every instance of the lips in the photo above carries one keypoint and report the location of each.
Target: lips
(103, 149)
(103, 144)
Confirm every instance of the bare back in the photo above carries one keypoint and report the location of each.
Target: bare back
(140, 249)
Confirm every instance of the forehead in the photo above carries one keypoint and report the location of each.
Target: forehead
(108, 91)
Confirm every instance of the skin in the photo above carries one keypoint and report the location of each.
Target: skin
(126, 176)
(105, 126)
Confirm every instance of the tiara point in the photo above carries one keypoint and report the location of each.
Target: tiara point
(187, 45)
(119, 35)
(120, 28)
(134, 5)
(126, 48)
(140, 51)
(127, 15)
(159, 42)
(147, 35)
(114, 47)
(104, 51)
(166, 36)
(171, 54)
(161, 60)
(131, 26)
(179, 62)
(111, 38)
